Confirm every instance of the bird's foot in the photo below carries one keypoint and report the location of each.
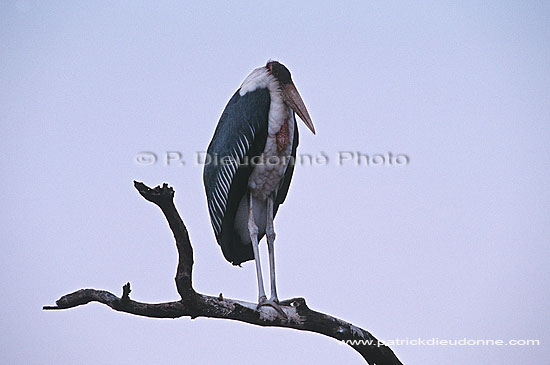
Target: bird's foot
(273, 303)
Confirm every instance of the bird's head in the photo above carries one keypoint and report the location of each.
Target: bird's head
(291, 97)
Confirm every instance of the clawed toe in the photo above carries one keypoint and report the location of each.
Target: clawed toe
(273, 303)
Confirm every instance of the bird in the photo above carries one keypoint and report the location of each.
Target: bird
(249, 165)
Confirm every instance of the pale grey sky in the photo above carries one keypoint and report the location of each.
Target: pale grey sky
(453, 245)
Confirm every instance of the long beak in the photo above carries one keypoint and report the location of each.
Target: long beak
(293, 99)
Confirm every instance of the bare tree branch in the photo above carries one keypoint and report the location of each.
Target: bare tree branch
(193, 304)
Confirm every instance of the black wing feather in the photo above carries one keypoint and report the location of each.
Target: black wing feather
(241, 133)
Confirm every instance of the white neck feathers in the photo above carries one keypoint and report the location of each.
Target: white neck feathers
(259, 78)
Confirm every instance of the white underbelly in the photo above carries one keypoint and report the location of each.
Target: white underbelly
(264, 180)
(270, 167)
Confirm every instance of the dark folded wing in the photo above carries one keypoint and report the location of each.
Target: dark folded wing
(241, 133)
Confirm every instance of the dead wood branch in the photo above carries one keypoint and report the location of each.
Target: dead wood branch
(193, 304)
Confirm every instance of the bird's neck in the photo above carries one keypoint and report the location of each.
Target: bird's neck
(258, 79)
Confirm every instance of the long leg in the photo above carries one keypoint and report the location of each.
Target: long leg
(270, 233)
(273, 302)
(253, 231)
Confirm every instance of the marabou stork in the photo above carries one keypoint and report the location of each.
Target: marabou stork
(250, 164)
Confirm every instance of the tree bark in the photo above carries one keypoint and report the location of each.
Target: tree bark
(193, 304)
